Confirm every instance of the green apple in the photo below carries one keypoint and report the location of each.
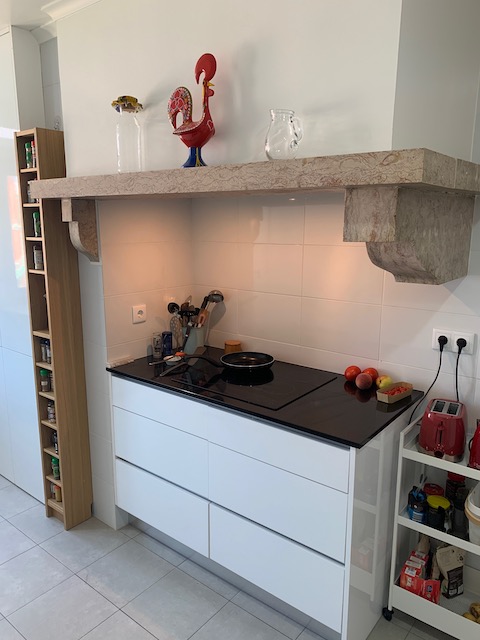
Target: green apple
(383, 381)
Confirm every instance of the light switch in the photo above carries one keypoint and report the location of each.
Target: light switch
(139, 313)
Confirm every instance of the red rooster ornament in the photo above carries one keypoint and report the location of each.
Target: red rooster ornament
(194, 134)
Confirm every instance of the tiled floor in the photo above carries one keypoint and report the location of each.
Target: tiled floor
(98, 584)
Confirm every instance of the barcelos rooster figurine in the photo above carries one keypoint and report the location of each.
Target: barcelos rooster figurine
(194, 134)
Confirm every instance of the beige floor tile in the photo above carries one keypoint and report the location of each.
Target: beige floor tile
(13, 501)
(68, 611)
(234, 623)
(7, 632)
(28, 576)
(160, 549)
(222, 587)
(119, 627)
(268, 615)
(175, 607)
(34, 524)
(12, 542)
(84, 544)
(125, 573)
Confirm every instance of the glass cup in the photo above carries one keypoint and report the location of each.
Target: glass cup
(157, 346)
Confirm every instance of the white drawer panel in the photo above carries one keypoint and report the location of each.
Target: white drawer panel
(302, 578)
(168, 508)
(300, 454)
(305, 511)
(156, 404)
(172, 454)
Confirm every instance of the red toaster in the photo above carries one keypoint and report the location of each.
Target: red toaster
(442, 430)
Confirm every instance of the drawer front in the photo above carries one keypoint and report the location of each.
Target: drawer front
(304, 579)
(156, 404)
(172, 454)
(304, 456)
(305, 511)
(172, 510)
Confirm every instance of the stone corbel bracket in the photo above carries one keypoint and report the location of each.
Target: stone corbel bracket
(81, 216)
(420, 236)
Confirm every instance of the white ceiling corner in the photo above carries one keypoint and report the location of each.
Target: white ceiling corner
(62, 8)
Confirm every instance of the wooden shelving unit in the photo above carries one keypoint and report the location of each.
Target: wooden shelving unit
(55, 317)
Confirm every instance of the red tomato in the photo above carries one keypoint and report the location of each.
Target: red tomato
(352, 372)
(371, 372)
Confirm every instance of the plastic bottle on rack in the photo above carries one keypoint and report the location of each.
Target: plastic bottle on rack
(37, 230)
(34, 154)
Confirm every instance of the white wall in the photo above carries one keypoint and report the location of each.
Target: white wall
(332, 61)
(437, 77)
(52, 99)
(292, 287)
(20, 457)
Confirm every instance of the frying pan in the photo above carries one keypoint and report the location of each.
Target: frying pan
(241, 361)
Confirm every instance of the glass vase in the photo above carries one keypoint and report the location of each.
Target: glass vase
(129, 142)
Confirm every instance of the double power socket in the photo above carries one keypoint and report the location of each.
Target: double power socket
(452, 337)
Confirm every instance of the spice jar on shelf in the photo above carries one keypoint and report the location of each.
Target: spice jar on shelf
(55, 468)
(37, 230)
(45, 380)
(58, 493)
(37, 257)
(51, 417)
(28, 155)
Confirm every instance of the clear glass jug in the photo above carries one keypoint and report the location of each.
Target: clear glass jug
(283, 135)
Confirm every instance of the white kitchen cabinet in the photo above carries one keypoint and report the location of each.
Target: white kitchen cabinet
(178, 513)
(307, 580)
(300, 517)
(447, 615)
(296, 507)
(167, 452)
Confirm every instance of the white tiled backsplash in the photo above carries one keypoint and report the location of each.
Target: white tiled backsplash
(292, 287)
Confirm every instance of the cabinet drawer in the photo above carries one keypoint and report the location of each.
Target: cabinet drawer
(156, 404)
(304, 579)
(172, 510)
(172, 454)
(305, 511)
(304, 456)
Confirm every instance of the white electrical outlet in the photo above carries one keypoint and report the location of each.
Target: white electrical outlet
(469, 339)
(452, 337)
(441, 332)
(139, 313)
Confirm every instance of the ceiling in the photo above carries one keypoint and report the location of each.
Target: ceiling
(23, 13)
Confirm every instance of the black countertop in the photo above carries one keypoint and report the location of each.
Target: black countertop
(336, 411)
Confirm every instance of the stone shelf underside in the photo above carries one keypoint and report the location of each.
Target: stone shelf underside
(413, 208)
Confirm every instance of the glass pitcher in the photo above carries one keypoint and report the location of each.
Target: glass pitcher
(283, 135)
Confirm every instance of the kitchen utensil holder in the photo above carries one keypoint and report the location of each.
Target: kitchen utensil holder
(195, 339)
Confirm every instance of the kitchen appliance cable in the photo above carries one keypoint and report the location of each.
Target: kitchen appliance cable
(461, 344)
(442, 341)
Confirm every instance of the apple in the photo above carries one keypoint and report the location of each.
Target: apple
(383, 381)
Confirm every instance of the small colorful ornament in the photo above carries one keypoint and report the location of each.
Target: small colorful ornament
(194, 134)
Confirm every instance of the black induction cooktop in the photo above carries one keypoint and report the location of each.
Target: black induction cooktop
(273, 388)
